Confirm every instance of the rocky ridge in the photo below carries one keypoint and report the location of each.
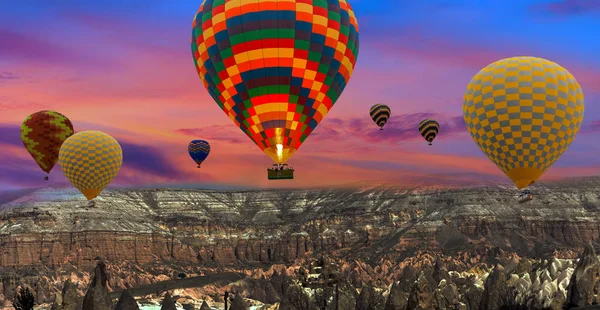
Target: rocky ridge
(146, 235)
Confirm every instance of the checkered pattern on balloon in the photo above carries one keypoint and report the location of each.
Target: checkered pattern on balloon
(276, 68)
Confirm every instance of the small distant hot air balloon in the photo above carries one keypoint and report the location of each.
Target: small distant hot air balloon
(199, 150)
(90, 160)
(42, 134)
(523, 113)
(276, 68)
(429, 129)
(380, 113)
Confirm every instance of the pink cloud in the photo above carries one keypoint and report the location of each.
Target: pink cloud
(591, 127)
(222, 133)
(400, 127)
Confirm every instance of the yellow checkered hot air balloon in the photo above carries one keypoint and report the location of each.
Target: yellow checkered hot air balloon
(523, 113)
(90, 160)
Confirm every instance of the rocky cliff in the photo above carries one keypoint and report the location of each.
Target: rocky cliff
(376, 230)
(53, 227)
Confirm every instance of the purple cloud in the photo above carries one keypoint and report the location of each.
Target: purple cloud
(24, 172)
(593, 126)
(147, 159)
(566, 7)
(10, 134)
(223, 133)
(398, 128)
(32, 48)
(139, 157)
(21, 46)
(9, 76)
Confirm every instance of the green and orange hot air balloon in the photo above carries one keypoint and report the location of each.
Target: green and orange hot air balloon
(276, 68)
(42, 134)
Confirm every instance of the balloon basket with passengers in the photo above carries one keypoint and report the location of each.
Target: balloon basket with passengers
(280, 172)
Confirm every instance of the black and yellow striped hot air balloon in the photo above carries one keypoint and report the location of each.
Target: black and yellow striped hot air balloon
(429, 129)
(380, 113)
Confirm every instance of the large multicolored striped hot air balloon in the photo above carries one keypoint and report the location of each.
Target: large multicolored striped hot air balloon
(523, 113)
(90, 160)
(42, 134)
(199, 150)
(429, 129)
(380, 113)
(275, 67)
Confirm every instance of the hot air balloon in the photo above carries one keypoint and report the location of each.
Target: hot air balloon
(429, 129)
(42, 134)
(380, 113)
(276, 68)
(90, 160)
(523, 113)
(199, 150)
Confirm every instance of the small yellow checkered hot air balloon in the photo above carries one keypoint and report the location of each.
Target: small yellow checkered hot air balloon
(90, 160)
(523, 113)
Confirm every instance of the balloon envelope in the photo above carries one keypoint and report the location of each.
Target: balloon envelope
(276, 68)
(42, 134)
(380, 113)
(199, 150)
(523, 113)
(429, 129)
(90, 160)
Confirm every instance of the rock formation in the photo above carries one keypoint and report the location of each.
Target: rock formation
(369, 299)
(433, 247)
(279, 226)
(238, 303)
(97, 296)
(127, 302)
(584, 287)
(168, 303)
(68, 299)
(205, 306)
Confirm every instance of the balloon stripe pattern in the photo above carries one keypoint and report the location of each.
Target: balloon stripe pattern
(90, 160)
(42, 134)
(275, 67)
(429, 129)
(380, 113)
(523, 113)
(199, 150)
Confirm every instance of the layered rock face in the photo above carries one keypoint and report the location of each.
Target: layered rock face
(53, 227)
(377, 230)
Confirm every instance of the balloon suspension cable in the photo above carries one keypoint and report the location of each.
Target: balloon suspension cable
(46, 178)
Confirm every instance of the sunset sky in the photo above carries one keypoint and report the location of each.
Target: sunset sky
(125, 67)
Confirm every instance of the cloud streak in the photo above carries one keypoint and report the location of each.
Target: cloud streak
(147, 159)
(9, 76)
(566, 7)
(401, 127)
(29, 48)
(10, 134)
(222, 133)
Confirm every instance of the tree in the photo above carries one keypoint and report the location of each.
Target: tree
(24, 299)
